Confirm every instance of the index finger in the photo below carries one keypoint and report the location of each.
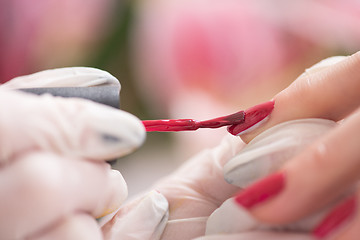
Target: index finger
(328, 90)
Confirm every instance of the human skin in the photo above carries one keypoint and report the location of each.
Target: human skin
(331, 164)
(328, 91)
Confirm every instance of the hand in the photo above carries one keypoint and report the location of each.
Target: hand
(54, 178)
(197, 188)
(194, 191)
(325, 172)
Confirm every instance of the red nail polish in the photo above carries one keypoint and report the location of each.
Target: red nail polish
(261, 191)
(168, 125)
(335, 218)
(237, 122)
(253, 116)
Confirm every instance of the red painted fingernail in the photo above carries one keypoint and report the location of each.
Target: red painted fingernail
(335, 218)
(261, 191)
(253, 116)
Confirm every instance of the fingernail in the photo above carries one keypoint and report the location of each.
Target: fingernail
(261, 191)
(335, 218)
(254, 116)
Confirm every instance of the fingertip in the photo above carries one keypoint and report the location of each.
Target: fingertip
(269, 122)
(105, 133)
(317, 93)
(115, 195)
(230, 218)
(145, 218)
(249, 136)
(253, 118)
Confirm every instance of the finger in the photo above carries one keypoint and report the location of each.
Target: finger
(63, 77)
(40, 188)
(196, 189)
(352, 231)
(70, 127)
(115, 194)
(330, 92)
(255, 235)
(230, 218)
(185, 228)
(311, 180)
(343, 221)
(271, 149)
(74, 227)
(142, 219)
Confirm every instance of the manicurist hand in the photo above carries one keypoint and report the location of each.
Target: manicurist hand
(54, 179)
(312, 156)
(309, 168)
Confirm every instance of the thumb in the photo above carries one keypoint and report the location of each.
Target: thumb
(318, 93)
(70, 127)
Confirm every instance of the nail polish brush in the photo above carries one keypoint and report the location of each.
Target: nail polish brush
(109, 95)
(236, 122)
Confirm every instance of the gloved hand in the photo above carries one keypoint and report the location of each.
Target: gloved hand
(198, 187)
(194, 191)
(54, 181)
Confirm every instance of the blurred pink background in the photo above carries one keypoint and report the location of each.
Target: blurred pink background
(178, 58)
(207, 58)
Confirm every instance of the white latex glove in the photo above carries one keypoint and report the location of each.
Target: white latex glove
(264, 155)
(193, 191)
(198, 188)
(54, 180)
